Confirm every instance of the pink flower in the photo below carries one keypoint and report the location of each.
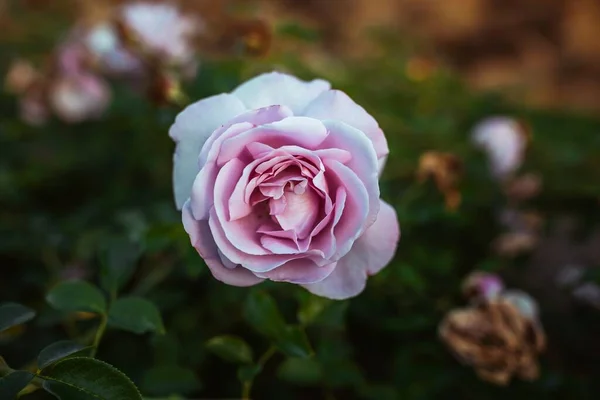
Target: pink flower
(79, 97)
(504, 140)
(162, 29)
(279, 180)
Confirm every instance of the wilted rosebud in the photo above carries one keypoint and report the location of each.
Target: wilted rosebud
(446, 170)
(33, 106)
(523, 187)
(512, 244)
(20, 77)
(78, 98)
(522, 235)
(526, 304)
(495, 339)
(482, 286)
(588, 293)
(504, 140)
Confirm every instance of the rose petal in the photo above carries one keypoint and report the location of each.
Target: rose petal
(241, 232)
(347, 280)
(363, 163)
(258, 117)
(380, 241)
(337, 105)
(301, 212)
(356, 210)
(302, 271)
(202, 239)
(190, 131)
(203, 187)
(301, 131)
(369, 254)
(277, 88)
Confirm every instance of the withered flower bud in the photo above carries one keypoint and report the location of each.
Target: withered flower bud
(21, 76)
(446, 170)
(482, 286)
(523, 187)
(496, 339)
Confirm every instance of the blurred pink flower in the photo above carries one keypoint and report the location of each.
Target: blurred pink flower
(279, 180)
(33, 108)
(79, 97)
(162, 29)
(504, 140)
(481, 285)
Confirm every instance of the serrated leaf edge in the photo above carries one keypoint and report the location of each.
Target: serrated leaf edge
(48, 378)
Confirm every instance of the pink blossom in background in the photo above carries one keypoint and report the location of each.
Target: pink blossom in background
(504, 141)
(279, 180)
(79, 97)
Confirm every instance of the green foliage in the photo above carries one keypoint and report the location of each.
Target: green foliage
(86, 378)
(57, 351)
(94, 201)
(77, 296)
(231, 348)
(301, 371)
(293, 342)
(262, 314)
(12, 383)
(12, 314)
(136, 315)
(168, 380)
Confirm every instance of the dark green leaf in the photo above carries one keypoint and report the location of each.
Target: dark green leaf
(136, 315)
(311, 308)
(294, 342)
(77, 296)
(262, 313)
(88, 378)
(230, 348)
(248, 372)
(118, 263)
(12, 314)
(301, 371)
(13, 383)
(57, 351)
(168, 380)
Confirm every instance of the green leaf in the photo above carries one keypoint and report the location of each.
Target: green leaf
(168, 380)
(119, 260)
(301, 371)
(262, 313)
(87, 378)
(77, 296)
(57, 351)
(230, 348)
(136, 315)
(12, 314)
(294, 343)
(311, 308)
(248, 372)
(13, 383)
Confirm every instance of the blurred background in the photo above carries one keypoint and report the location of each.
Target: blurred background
(490, 108)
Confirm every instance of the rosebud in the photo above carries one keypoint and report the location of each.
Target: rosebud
(482, 286)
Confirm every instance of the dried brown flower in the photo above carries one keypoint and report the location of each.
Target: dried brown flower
(446, 170)
(496, 339)
(523, 187)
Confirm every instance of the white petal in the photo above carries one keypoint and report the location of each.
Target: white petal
(191, 129)
(279, 89)
(370, 253)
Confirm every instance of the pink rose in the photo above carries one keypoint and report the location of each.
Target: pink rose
(279, 180)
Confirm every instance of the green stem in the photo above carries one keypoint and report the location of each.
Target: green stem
(99, 334)
(247, 385)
